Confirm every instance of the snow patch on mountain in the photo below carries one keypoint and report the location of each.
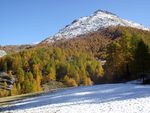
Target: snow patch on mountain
(98, 20)
(2, 53)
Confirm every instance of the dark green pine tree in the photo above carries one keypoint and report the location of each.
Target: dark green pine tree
(142, 57)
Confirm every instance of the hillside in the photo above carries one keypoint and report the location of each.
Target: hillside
(77, 61)
(123, 48)
(97, 42)
(108, 98)
(38, 66)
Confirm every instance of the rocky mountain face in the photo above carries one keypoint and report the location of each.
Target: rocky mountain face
(98, 20)
(13, 48)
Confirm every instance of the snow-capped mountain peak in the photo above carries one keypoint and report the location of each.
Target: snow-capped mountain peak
(103, 12)
(98, 20)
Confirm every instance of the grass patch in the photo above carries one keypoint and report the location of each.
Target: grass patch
(12, 99)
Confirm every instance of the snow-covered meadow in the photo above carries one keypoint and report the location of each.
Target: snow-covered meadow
(106, 98)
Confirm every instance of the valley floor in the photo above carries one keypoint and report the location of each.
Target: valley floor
(107, 98)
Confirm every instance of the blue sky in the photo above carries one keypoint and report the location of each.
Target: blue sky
(30, 21)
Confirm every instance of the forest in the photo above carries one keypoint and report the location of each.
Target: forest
(128, 57)
(38, 66)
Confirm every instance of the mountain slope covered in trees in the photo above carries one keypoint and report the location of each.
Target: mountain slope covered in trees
(77, 61)
(125, 49)
(37, 66)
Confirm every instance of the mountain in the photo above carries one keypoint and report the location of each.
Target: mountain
(98, 20)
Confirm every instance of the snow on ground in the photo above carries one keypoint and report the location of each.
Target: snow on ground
(106, 98)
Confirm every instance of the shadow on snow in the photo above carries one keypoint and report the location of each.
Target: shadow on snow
(83, 95)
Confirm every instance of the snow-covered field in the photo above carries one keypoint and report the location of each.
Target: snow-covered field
(107, 98)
